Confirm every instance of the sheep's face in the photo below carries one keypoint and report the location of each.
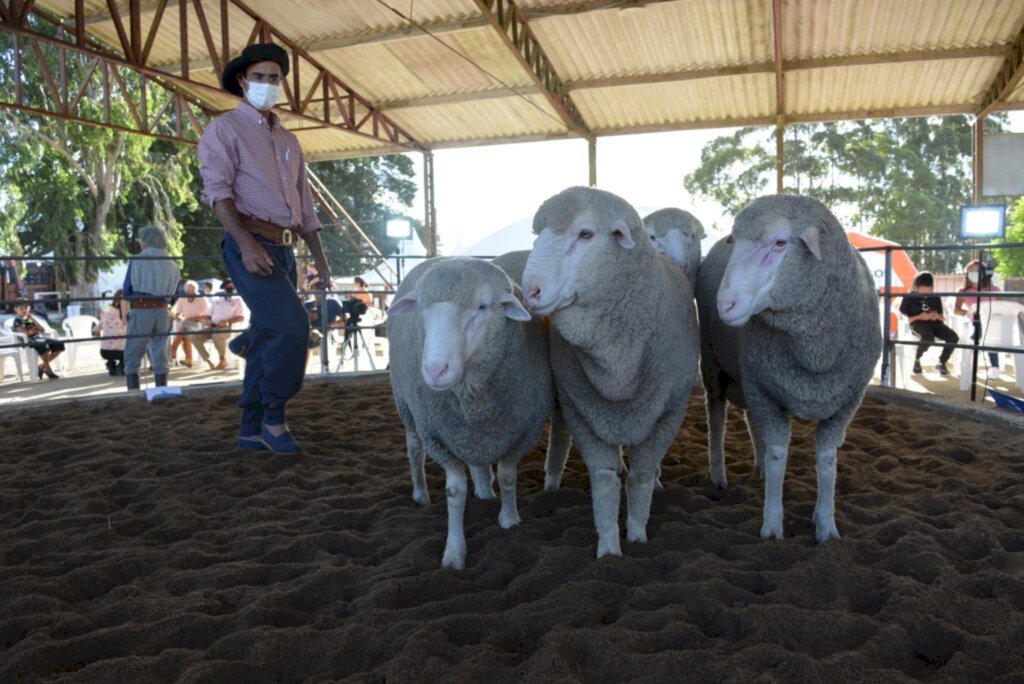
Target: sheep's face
(560, 256)
(459, 322)
(676, 245)
(753, 268)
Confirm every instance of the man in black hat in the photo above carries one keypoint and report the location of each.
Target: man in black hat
(254, 176)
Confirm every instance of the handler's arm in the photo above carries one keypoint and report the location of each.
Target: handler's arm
(254, 257)
(323, 269)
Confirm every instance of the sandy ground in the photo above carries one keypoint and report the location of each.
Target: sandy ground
(136, 544)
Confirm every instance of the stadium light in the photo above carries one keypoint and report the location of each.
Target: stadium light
(982, 221)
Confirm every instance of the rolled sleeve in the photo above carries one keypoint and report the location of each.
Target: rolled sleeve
(310, 223)
(218, 161)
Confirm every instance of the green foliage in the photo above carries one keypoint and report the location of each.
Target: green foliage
(81, 190)
(1011, 261)
(67, 185)
(372, 190)
(904, 179)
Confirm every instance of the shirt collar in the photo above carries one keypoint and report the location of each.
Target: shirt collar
(250, 113)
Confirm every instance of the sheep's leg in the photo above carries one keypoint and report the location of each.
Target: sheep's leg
(757, 443)
(509, 514)
(639, 490)
(417, 467)
(606, 489)
(559, 442)
(831, 433)
(775, 471)
(483, 481)
(824, 508)
(456, 489)
(715, 409)
(603, 461)
(773, 427)
(644, 464)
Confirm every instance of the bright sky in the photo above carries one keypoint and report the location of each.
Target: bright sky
(481, 190)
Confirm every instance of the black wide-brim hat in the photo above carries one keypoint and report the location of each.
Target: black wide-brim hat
(253, 54)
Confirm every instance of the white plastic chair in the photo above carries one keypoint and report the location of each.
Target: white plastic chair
(13, 353)
(78, 327)
(29, 357)
(1000, 328)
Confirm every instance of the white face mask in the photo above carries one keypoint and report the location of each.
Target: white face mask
(262, 96)
(973, 276)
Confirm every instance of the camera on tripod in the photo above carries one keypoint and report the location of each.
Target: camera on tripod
(353, 310)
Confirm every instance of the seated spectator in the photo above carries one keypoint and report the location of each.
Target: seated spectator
(360, 292)
(191, 314)
(966, 302)
(225, 310)
(36, 333)
(926, 320)
(332, 312)
(113, 324)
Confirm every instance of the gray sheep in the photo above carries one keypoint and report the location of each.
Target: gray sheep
(804, 341)
(471, 381)
(559, 437)
(677, 234)
(623, 345)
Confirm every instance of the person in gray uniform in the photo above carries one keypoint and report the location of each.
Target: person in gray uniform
(149, 287)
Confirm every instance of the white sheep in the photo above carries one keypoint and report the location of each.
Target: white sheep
(559, 437)
(804, 311)
(471, 380)
(623, 345)
(677, 234)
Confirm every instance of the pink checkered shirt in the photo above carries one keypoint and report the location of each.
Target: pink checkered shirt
(259, 166)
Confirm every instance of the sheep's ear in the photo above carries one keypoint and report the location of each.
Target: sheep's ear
(811, 237)
(620, 230)
(406, 305)
(514, 309)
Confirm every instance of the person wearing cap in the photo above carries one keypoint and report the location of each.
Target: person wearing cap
(254, 178)
(149, 288)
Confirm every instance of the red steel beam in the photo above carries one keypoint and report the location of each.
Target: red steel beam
(374, 125)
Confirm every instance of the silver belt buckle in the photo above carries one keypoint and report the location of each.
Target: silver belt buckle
(286, 237)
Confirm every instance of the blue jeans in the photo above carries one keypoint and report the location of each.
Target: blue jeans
(275, 363)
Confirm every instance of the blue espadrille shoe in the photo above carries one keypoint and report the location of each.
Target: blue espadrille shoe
(281, 444)
(252, 443)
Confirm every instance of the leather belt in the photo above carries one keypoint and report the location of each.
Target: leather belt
(276, 234)
(149, 304)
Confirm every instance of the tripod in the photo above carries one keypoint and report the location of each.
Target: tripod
(353, 336)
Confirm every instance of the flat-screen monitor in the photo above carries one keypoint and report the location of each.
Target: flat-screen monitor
(983, 221)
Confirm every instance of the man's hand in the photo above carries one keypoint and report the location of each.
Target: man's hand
(323, 276)
(256, 259)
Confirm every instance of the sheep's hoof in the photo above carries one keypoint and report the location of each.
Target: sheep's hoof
(771, 530)
(719, 481)
(552, 483)
(421, 497)
(823, 531)
(609, 548)
(638, 534)
(454, 558)
(509, 520)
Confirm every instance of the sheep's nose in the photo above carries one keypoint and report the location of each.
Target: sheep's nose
(437, 372)
(532, 295)
(725, 306)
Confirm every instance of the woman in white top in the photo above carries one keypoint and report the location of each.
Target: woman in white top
(190, 314)
(114, 324)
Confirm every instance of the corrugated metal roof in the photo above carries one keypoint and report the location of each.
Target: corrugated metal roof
(448, 76)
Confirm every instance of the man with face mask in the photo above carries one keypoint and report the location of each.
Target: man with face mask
(254, 177)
